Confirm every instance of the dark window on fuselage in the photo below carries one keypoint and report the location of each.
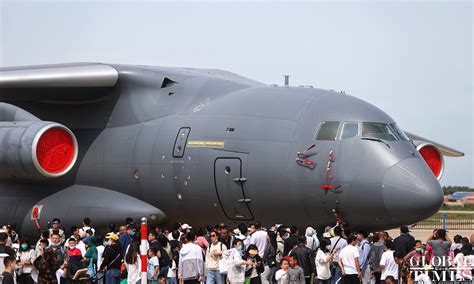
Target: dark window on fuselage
(349, 129)
(327, 131)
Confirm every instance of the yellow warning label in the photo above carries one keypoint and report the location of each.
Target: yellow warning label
(206, 144)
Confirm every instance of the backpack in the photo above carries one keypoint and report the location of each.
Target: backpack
(164, 260)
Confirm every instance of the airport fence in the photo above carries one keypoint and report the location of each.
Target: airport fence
(447, 221)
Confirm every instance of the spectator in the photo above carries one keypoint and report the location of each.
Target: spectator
(464, 262)
(100, 252)
(90, 258)
(291, 241)
(376, 252)
(26, 257)
(56, 225)
(174, 243)
(260, 238)
(364, 252)
(405, 242)
(127, 238)
(171, 277)
(269, 257)
(153, 268)
(254, 264)
(225, 237)
(388, 266)
(303, 254)
(8, 274)
(201, 239)
(74, 258)
(185, 228)
(164, 256)
(214, 254)
(111, 259)
(3, 245)
(280, 239)
(47, 265)
(122, 231)
(415, 256)
(337, 242)
(390, 280)
(281, 276)
(44, 236)
(191, 265)
(312, 241)
(349, 262)
(14, 237)
(133, 263)
(60, 253)
(74, 234)
(295, 273)
(86, 226)
(405, 267)
(153, 241)
(323, 261)
(440, 243)
(456, 245)
(236, 269)
(245, 233)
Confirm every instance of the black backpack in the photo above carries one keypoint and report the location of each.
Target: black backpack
(164, 260)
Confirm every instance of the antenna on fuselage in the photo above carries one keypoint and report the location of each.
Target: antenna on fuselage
(287, 80)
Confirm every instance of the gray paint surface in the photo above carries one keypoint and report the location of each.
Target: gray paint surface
(128, 165)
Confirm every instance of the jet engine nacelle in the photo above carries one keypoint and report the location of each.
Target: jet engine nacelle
(432, 156)
(36, 149)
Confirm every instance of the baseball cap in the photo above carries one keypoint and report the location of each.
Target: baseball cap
(112, 236)
(404, 229)
(185, 227)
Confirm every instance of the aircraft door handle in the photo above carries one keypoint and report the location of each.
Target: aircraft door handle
(241, 179)
(246, 200)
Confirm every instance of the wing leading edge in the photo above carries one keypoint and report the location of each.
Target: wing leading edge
(446, 151)
(59, 76)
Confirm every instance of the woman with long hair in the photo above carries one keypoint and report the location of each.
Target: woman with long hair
(133, 263)
(324, 258)
(26, 256)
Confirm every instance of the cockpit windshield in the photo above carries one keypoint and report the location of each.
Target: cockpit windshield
(378, 131)
(401, 135)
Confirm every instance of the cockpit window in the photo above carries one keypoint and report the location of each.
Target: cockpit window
(401, 135)
(378, 131)
(349, 129)
(327, 130)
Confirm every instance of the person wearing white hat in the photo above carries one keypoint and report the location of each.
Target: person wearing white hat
(185, 228)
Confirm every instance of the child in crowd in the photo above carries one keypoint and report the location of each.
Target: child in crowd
(153, 266)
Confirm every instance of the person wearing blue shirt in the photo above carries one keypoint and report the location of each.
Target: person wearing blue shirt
(127, 238)
(364, 252)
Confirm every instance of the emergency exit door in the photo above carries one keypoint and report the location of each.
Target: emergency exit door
(230, 186)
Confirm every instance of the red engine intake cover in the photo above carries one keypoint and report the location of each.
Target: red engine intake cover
(56, 150)
(433, 158)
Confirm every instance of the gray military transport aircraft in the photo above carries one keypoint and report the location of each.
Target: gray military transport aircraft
(111, 141)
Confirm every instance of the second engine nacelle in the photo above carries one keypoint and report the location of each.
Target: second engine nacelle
(432, 156)
(36, 149)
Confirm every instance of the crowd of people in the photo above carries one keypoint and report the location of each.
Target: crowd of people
(219, 254)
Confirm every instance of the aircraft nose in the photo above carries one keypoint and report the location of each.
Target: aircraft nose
(411, 192)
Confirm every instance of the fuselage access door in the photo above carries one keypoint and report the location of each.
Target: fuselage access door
(230, 183)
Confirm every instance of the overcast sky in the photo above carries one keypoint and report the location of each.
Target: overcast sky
(411, 59)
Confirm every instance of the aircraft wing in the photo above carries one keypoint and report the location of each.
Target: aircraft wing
(59, 75)
(446, 151)
(58, 83)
